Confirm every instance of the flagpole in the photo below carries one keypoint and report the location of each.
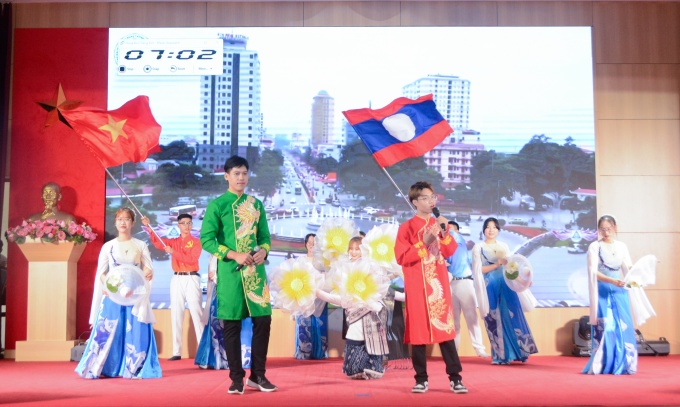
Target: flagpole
(399, 189)
(133, 204)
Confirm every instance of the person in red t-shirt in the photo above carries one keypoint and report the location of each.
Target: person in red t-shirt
(185, 286)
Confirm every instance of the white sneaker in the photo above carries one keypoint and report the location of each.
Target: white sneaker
(482, 354)
(458, 387)
(419, 388)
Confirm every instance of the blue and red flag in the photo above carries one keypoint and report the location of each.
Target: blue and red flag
(405, 128)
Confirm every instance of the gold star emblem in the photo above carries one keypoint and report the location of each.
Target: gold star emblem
(56, 105)
(115, 128)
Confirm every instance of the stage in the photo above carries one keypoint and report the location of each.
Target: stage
(542, 381)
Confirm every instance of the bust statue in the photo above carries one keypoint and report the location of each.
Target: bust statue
(51, 195)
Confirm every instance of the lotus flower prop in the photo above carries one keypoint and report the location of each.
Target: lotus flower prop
(295, 282)
(333, 277)
(331, 241)
(518, 273)
(363, 283)
(378, 245)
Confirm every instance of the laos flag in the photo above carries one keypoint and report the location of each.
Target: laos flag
(405, 128)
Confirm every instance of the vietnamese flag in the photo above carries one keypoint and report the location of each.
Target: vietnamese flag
(405, 128)
(126, 134)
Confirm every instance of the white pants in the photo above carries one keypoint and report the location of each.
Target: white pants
(464, 298)
(185, 289)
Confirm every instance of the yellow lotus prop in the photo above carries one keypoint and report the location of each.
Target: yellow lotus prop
(295, 283)
(363, 283)
(378, 245)
(332, 240)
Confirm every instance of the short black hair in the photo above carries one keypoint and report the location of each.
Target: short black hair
(454, 223)
(491, 220)
(308, 236)
(184, 216)
(235, 161)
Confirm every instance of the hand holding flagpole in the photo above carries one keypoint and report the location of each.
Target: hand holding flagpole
(127, 134)
(147, 224)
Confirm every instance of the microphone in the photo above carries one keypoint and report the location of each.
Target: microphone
(252, 252)
(435, 212)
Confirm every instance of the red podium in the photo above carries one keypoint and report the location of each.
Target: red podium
(51, 316)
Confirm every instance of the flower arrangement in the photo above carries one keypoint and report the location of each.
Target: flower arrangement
(51, 231)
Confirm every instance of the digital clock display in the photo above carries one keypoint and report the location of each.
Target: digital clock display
(169, 57)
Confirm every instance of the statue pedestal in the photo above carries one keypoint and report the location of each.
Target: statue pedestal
(51, 316)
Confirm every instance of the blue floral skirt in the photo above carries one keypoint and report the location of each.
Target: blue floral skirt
(357, 359)
(119, 346)
(614, 346)
(311, 341)
(210, 352)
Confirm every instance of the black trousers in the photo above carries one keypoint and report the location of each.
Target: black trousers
(451, 360)
(260, 347)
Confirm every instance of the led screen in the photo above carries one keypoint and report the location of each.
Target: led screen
(520, 101)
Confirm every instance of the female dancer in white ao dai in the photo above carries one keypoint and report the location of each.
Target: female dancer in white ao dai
(614, 349)
(122, 341)
(501, 307)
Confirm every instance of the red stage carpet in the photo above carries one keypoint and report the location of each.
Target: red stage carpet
(543, 381)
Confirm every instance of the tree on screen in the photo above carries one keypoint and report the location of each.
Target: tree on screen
(359, 174)
(268, 174)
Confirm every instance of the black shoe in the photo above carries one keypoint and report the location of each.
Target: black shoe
(176, 357)
(236, 388)
(458, 387)
(419, 387)
(261, 383)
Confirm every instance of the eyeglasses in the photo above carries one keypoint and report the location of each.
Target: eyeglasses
(123, 220)
(431, 198)
(606, 230)
(185, 223)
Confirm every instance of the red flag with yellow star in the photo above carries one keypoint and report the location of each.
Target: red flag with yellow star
(127, 134)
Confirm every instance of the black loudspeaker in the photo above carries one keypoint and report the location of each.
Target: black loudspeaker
(582, 340)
